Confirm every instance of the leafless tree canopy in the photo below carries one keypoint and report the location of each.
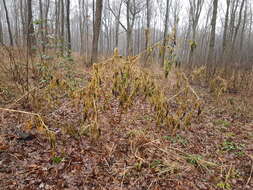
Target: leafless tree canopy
(207, 32)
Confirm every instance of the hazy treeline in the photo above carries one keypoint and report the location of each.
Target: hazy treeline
(205, 31)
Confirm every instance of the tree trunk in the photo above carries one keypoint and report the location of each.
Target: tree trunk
(87, 33)
(56, 25)
(30, 28)
(243, 33)
(213, 30)
(195, 10)
(249, 35)
(41, 26)
(23, 20)
(1, 32)
(163, 49)
(117, 26)
(68, 27)
(46, 23)
(30, 41)
(147, 32)
(224, 41)
(8, 23)
(129, 31)
(62, 28)
(81, 24)
(97, 25)
(16, 24)
(237, 26)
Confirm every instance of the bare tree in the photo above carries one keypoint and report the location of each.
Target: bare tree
(96, 30)
(1, 32)
(41, 26)
(30, 41)
(81, 23)
(213, 30)
(195, 11)
(62, 27)
(57, 22)
(237, 25)
(117, 13)
(8, 23)
(46, 19)
(68, 26)
(30, 28)
(107, 26)
(23, 16)
(44, 9)
(163, 49)
(224, 43)
(16, 21)
(244, 25)
(128, 25)
(249, 33)
(133, 9)
(147, 32)
(87, 30)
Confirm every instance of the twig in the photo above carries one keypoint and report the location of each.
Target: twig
(193, 91)
(228, 174)
(250, 176)
(176, 95)
(123, 178)
(17, 100)
(19, 111)
(29, 113)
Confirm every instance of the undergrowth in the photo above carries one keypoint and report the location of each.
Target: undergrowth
(177, 121)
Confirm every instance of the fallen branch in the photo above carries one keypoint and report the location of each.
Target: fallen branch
(176, 95)
(26, 94)
(50, 133)
(251, 171)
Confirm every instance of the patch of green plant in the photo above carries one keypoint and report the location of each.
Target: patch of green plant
(169, 138)
(147, 118)
(57, 160)
(167, 67)
(231, 146)
(136, 132)
(138, 166)
(223, 123)
(156, 163)
(194, 159)
(230, 134)
(240, 153)
(199, 162)
(5, 92)
(70, 59)
(193, 45)
(177, 139)
(46, 57)
(39, 21)
(163, 168)
(45, 72)
(224, 185)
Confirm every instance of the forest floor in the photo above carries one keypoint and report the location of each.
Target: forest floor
(132, 152)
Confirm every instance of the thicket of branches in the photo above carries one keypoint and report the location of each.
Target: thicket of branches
(221, 30)
(214, 34)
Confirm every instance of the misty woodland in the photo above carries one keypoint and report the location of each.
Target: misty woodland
(126, 94)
